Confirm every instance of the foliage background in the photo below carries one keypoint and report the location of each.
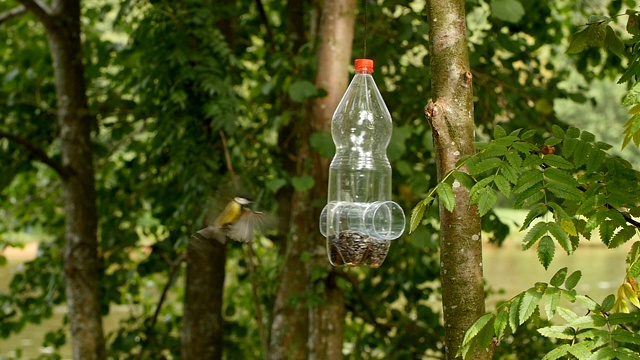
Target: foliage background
(177, 109)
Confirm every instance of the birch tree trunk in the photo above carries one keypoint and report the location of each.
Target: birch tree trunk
(450, 114)
(334, 57)
(81, 265)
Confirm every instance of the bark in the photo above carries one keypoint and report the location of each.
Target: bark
(450, 114)
(334, 57)
(81, 265)
(202, 328)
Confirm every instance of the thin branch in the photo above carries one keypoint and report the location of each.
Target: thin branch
(173, 272)
(37, 152)
(40, 9)
(227, 158)
(10, 14)
(383, 328)
(254, 288)
(265, 20)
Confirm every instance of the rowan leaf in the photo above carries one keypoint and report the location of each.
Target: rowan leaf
(622, 236)
(530, 300)
(546, 250)
(514, 306)
(560, 236)
(476, 327)
(557, 353)
(558, 332)
(446, 196)
(528, 180)
(573, 280)
(551, 300)
(503, 185)
(558, 278)
(537, 231)
(535, 212)
(486, 201)
(500, 323)
(557, 161)
(418, 213)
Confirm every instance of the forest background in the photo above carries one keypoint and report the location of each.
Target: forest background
(176, 106)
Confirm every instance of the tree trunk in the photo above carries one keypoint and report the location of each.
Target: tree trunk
(81, 265)
(202, 335)
(334, 57)
(450, 114)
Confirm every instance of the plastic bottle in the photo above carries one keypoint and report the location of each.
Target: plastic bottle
(360, 219)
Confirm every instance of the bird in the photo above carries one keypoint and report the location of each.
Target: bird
(237, 221)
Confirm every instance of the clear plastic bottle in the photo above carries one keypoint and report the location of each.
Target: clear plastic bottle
(360, 219)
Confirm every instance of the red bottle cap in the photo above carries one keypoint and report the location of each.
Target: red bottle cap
(364, 65)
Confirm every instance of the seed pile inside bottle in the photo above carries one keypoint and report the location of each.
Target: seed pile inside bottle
(354, 248)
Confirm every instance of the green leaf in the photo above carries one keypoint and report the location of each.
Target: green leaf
(551, 300)
(558, 332)
(500, 323)
(503, 185)
(530, 301)
(303, 183)
(476, 327)
(536, 232)
(557, 353)
(446, 196)
(322, 143)
(626, 336)
(573, 280)
(528, 180)
(560, 236)
(507, 10)
(608, 302)
(480, 186)
(622, 236)
(580, 350)
(578, 42)
(486, 201)
(557, 161)
(397, 146)
(529, 196)
(465, 179)
(588, 302)
(535, 212)
(633, 22)
(559, 277)
(484, 165)
(302, 90)
(499, 132)
(418, 213)
(557, 131)
(604, 353)
(623, 318)
(546, 250)
(633, 96)
(513, 312)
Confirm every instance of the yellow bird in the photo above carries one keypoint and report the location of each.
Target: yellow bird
(237, 221)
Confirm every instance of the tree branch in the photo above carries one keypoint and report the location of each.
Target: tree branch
(174, 266)
(39, 9)
(10, 14)
(36, 152)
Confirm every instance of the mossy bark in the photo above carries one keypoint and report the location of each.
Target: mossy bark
(450, 114)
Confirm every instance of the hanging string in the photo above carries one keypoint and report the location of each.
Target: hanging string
(366, 15)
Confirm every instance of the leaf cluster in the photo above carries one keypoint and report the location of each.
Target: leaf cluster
(600, 334)
(569, 184)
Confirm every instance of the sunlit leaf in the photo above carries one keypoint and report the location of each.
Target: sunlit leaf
(507, 10)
